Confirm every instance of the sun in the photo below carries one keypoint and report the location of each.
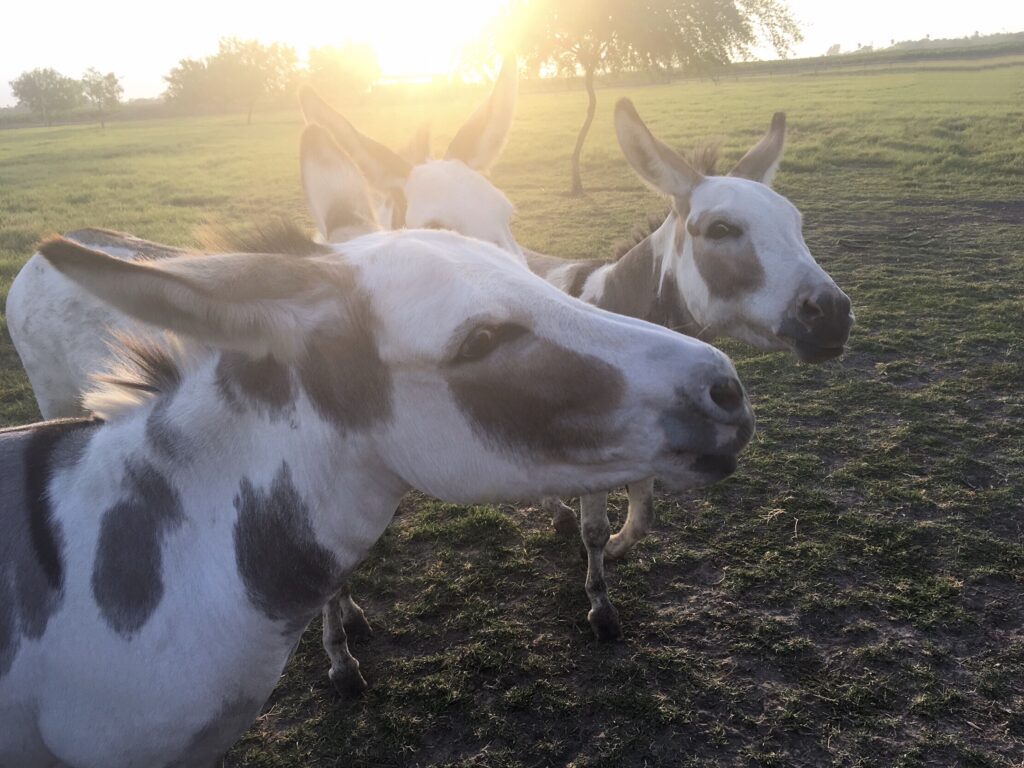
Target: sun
(415, 38)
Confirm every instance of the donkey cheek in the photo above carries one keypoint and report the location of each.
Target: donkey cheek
(732, 275)
(556, 403)
(345, 378)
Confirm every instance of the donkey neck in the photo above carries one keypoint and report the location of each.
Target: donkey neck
(259, 471)
(644, 284)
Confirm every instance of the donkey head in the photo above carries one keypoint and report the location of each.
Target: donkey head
(451, 367)
(738, 255)
(412, 190)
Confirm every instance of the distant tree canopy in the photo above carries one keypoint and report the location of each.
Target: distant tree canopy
(240, 74)
(103, 92)
(596, 36)
(47, 93)
(339, 72)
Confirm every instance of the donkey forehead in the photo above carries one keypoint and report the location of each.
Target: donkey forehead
(742, 201)
(451, 194)
(424, 285)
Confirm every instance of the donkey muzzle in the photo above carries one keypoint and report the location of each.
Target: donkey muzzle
(705, 433)
(820, 326)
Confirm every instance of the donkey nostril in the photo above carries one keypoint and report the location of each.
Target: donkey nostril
(727, 394)
(809, 311)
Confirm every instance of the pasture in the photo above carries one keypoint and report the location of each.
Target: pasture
(852, 596)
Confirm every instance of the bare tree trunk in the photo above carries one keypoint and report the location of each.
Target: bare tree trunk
(588, 79)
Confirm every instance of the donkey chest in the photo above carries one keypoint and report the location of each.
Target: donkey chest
(179, 692)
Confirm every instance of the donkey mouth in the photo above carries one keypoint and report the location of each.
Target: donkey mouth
(809, 352)
(716, 465)
(695, 470)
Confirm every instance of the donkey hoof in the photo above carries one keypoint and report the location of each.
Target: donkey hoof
(605, 623)
(349, 683)
(357, 626)
(615, 549)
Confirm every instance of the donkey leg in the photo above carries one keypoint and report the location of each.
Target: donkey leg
(563, 518)
(352, 616)
(639, 519)
(603, 617)
(344, 672)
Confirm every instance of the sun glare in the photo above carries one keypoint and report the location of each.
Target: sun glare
(413, 38)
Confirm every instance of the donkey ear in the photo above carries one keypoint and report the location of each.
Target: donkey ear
(761, 162)
(655, 162)
(383, 168)
(252, 303)
(482, 137)
(337, 193)
(417, 151)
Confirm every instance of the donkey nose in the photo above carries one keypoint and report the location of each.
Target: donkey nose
(809, 311)
(727, 394)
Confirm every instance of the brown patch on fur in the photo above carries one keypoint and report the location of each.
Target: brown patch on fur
(729, 268)
(548, 400)
(579, 275)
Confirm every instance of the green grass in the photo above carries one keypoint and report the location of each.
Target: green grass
(851, 597)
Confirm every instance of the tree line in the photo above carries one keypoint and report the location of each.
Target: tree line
(244, 73)
(239, 76)
(50, 95)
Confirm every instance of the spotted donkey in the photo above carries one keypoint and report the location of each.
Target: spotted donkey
(160, 562)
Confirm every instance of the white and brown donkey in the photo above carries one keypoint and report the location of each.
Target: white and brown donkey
(728, 260)
(159, 563)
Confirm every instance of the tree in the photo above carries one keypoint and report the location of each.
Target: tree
(343, 71)
(596, 36)
(189, 85)
(102, 91)
(240, 74)
(46, 92)
(833, 50)
(246, 71)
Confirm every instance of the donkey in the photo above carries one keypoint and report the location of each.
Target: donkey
(413, 190)
(729, 259)
(237, 484)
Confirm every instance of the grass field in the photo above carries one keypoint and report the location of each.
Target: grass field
(851, 597)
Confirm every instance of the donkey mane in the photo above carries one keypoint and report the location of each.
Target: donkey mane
(639, 234)
(703, 158)
(141, 367)
(277, 236)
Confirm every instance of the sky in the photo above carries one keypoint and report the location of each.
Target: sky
(142, 41)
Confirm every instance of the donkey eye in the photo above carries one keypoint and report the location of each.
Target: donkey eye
(485, 339)
(719, 230)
